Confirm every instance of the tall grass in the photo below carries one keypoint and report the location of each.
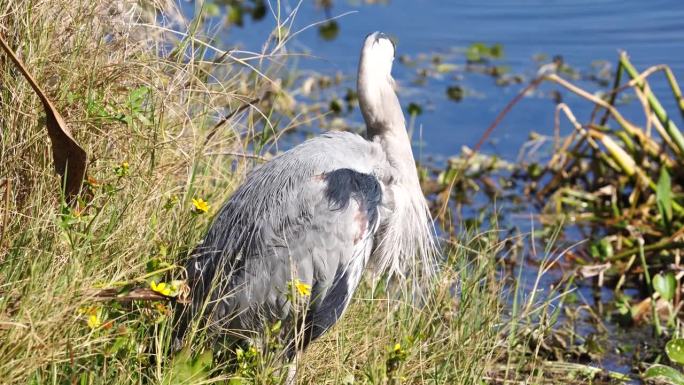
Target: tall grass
(141, 103)
(144, 103)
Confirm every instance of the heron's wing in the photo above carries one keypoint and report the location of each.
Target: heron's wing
(305, 217)
(321, 246)
(354, 198)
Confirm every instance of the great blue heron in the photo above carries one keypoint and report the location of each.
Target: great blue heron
(317, 215)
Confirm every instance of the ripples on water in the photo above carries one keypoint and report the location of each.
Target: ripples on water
(581, 31)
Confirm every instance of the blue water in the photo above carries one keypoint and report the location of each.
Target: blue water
(582, 31)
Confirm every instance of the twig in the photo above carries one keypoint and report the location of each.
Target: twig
(662, 245)
(613, 93)
(531, 86)
(658, 109)
(8, 187)
(240, 155)
(229, 116)
(139, 294)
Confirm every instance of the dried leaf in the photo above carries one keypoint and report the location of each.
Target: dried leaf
(590, 271)
(69, 157)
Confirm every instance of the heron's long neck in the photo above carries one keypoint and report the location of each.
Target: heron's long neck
(385, 121)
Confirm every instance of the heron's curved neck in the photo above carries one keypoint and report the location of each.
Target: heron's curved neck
(384, 118)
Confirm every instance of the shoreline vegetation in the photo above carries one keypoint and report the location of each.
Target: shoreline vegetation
(171, 124)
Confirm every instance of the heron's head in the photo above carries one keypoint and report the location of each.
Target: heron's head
(377, 54)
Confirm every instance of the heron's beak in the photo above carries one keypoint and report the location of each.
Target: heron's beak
(381, 36)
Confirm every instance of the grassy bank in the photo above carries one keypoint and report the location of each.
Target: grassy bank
(162, 117)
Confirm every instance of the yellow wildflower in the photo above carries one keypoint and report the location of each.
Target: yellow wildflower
(303, 289)
(94, 321)
(201, 206)
(122, 169)
(161, 288)
(397, 348)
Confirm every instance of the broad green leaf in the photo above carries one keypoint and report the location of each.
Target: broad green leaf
(675, 350)
(666, 373)
(665, 285)
(202, 364)
(188, 370)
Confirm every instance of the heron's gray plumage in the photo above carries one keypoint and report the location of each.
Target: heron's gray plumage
(319, 214)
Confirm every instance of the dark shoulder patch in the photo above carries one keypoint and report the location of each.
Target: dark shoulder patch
(344, 184)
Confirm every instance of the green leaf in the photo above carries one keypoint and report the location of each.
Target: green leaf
(664, 197)
(202, 364)
(235, 15)
(675, 350)
(665, 285)
(601, 249)
(137, 97)
(496, 51)
(414, 109)
(666, 373)
(329, 30)
(455, 93)
(212, 10)
(188, 370)
(336, 106)
(534, 170)
(476, 52)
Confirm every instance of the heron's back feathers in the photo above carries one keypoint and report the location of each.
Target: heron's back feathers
(306, 216)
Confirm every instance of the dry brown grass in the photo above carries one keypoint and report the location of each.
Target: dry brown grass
(132, 93)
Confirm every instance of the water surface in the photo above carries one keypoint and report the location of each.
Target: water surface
(582, 31)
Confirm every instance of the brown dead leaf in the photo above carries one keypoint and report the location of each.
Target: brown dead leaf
(69, 157)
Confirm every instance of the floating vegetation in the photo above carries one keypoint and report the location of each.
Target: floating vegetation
(615, 186)
(615, 174)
